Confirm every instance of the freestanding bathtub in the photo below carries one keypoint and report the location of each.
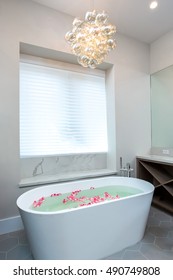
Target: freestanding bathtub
(88, 232)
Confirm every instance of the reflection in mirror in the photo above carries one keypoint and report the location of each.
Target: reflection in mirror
(162, 108)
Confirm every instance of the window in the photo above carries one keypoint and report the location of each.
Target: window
(67, 118)
(62, 110)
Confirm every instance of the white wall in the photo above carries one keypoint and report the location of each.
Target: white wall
(28, 22)
(132, 92)
(161, 53)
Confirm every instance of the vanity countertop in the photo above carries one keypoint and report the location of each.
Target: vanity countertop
(157, 158)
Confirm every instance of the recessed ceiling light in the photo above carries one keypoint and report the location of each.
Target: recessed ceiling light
(153, 5)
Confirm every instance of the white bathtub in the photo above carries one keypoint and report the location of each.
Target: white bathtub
(88, 232)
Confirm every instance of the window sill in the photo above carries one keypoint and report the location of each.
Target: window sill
(64, 177)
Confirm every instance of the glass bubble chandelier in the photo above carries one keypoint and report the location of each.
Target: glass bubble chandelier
(91, 39)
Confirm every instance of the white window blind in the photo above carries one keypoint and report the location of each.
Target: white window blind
(61, 111)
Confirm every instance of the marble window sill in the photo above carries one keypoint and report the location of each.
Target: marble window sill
(64, 177)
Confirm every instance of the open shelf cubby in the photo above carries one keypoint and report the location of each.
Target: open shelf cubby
(160, 174)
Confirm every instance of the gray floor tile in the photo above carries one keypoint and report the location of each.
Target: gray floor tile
(163, 217)
(158, 231)
(133, 255)
(2, 256)
(151, 252)
(4, 236)
(164, 243)
(168, 225)
(20, 235)
(148, 238)
(7, 244)
(153, 221)
(21, 252)
(170, 234)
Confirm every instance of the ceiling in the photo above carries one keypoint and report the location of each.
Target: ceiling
(131, 17)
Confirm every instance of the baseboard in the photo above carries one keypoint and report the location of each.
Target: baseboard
(11, 224)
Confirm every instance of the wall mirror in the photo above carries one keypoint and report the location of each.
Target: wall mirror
(162, 109)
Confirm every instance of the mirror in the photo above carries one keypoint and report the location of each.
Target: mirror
(162, 108)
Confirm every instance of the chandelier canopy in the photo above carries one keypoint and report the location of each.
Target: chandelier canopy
(91, 39)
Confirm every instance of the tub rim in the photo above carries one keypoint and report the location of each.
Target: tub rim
(58, 212)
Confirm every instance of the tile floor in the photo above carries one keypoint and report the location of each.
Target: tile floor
(157, 243)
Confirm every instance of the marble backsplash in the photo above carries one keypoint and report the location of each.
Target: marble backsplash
(38, 167)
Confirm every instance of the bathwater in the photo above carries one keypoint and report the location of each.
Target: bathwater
(79, 198)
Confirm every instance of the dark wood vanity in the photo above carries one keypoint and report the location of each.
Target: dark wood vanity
(158, 170)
